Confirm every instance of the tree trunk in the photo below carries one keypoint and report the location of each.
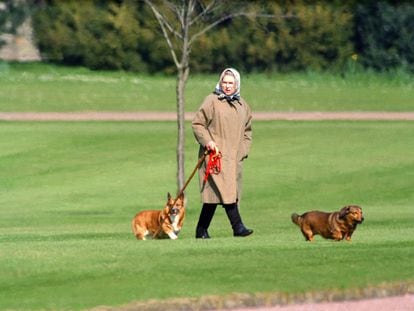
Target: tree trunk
(182, 77)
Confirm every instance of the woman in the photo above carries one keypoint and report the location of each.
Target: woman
(223, 124)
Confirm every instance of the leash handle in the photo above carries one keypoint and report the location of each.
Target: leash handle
(200, 160)
(214, 164)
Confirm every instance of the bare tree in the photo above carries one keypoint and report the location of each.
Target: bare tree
(182, 22)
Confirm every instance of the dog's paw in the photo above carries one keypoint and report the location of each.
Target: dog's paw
(172, 236)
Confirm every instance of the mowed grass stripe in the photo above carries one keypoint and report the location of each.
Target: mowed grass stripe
(49, 88)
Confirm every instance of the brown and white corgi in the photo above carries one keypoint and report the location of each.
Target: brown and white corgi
(160, 224)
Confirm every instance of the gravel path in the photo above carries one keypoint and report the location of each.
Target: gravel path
(398, 303)
(170, 116)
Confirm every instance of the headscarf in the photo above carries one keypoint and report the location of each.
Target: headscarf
(219, 91)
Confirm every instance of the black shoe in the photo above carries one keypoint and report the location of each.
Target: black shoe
(202, 233)
(243, 232)
(233, 214)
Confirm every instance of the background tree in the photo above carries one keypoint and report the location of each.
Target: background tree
(383, 35)
(123, 35)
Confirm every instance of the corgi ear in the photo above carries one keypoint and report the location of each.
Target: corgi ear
(168, 196)
(182, 196)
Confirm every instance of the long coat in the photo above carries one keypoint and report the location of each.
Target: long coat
(228, 124)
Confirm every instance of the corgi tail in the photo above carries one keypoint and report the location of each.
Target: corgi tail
(134, 229)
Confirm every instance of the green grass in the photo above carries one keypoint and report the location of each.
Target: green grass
(70, 190)
(41, 87)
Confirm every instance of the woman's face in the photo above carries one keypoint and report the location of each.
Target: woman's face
(228, 85)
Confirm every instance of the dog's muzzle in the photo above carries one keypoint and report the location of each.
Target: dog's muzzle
(174, 211)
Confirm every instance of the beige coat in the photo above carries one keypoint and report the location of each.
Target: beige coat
(228, 124)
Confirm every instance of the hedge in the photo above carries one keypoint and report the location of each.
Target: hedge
(303, 35)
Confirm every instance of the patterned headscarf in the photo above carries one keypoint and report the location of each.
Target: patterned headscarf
(219, 91)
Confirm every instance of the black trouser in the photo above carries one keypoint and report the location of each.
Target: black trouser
(206, 215)
(208, 210)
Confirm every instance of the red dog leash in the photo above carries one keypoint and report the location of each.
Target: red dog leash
(200, 160)
(214, 164)
(213, 167)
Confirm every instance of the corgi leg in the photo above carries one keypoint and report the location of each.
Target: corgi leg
(140, 234)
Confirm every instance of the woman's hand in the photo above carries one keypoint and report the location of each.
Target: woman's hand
(212, 146)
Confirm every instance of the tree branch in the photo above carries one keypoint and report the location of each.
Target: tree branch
(163, 24)
(163, 18)
(176, 10)
(204, 12)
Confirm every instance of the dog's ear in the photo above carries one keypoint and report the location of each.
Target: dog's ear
(168, 196)
(344, 211)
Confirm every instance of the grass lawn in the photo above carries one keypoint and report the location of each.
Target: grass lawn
(40, 87)
(70, 190)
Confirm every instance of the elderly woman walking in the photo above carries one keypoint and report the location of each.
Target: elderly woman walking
(223, 125)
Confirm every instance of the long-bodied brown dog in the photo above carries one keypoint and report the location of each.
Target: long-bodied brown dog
(337, 225)
(155, 224)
